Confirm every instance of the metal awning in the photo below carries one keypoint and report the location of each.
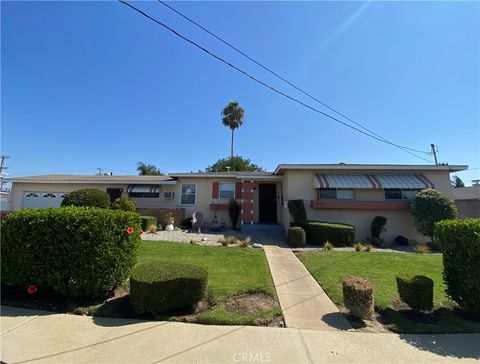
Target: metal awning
(143, 188)
(372, 181)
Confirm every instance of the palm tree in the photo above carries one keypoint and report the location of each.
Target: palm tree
(232, 116)
(148, 169)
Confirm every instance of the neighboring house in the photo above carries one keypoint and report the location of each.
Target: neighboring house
(467, 200)
(346, 193)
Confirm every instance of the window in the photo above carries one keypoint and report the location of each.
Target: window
(49, 195)
(168, 195)
(188, 194)
(227, 190)
(399, 194)
(144, 194)
(337, 194)
(32, 194)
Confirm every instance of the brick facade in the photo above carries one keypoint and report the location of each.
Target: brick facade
(246, 215)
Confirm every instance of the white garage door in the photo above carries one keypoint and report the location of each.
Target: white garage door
(33, 200)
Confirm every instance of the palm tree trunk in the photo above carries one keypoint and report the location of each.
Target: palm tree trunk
(231, 146)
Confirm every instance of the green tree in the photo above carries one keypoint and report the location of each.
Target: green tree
(235, 164)
(148, 170)
(457, 182)
(430, 206)
(232, 116)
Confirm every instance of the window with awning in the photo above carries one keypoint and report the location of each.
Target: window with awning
(143, 191)
(372, 181)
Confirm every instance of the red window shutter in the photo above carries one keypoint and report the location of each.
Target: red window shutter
(238, 190)
(215, 190)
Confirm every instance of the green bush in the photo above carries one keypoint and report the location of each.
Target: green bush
(87, 197)
(296, 237)
(297, 210)
(146, 221)
(158, 286)
(460, 242)
(430, 206)
(319, 232)
(415, 291)
(234, 209)
(358, 296)
(125, 204)
(378, 226)
(76, 251)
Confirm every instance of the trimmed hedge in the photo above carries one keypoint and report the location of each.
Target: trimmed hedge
(159, 286)
(460, 242)
(75, 251)
(415, 291)
(87, 197)
(297, 210)
(358, 296)
(377, 226)
(146, 221)
(296, 237)
(125, 204)
(319, 232)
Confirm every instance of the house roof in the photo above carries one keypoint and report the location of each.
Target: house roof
(467, 193)
(382, 167)
(236, 175)
(104, 179)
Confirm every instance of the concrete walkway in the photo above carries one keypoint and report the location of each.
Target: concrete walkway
(304, 303)
(39, 337)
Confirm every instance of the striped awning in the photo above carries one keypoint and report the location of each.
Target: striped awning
(371, 181)
(143, 188)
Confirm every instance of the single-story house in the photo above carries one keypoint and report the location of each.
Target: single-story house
(345, 193)
(467, 200)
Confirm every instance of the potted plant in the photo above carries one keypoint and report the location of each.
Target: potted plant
(169, 221)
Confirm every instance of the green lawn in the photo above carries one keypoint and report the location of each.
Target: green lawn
(230, 270)
(329, 267)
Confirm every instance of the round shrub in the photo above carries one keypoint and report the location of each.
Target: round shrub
(146, 221)
(415, 291)
(87, 197)
(296, 237)
(358, 296)
(75, 251)
(159, 286)
(319, 232)
(460, 242)
(125, 204)
(430, 206)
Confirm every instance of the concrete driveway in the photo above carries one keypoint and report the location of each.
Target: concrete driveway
(29, 336)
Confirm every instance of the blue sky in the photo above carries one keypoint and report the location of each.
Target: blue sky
(94, 84)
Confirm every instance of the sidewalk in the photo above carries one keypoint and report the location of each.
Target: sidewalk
(39, 337)
(304, 303)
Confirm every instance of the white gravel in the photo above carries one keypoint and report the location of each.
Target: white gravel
(180, 236)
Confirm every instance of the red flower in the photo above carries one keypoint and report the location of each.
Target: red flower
(141, 232)
(32, 289)
(130, 230)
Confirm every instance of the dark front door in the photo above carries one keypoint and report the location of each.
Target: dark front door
(267, 203)
(114, 193)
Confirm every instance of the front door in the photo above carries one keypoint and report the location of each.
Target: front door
(114, 193)
(267, 203)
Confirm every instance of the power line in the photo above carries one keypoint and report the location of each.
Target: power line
(258, 63)
(259, 81)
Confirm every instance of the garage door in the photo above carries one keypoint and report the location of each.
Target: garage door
(32, 200)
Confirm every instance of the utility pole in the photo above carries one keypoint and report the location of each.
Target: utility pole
(2, 167)
(434, 152)
(100, 170)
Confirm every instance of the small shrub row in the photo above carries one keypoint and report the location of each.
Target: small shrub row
(296, 237)
(75, 251)
(416, 291)
(319, 232)
(158, 286)
(358, 296)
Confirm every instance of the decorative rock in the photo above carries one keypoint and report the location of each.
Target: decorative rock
(169, 227)
(204, 239)
(401, 240)
(257, 245)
